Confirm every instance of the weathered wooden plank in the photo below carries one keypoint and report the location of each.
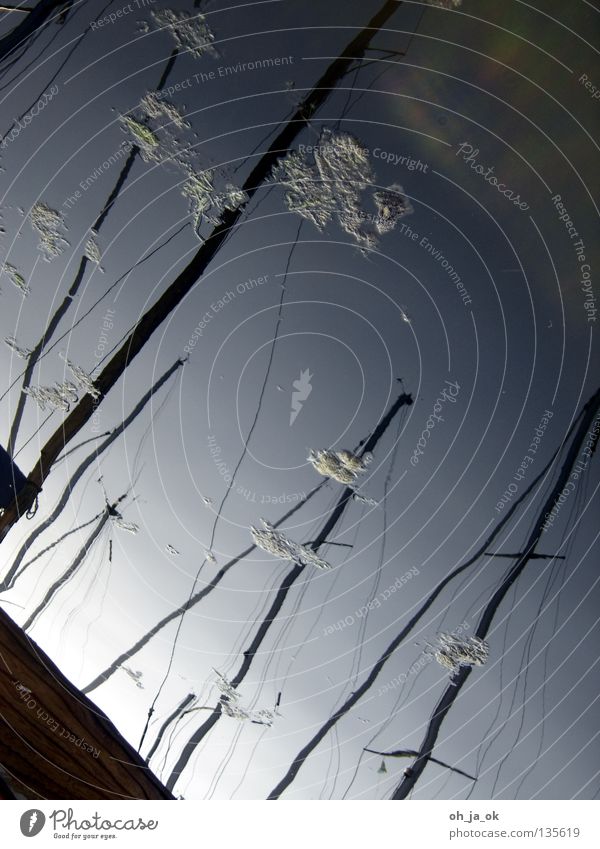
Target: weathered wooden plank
(55, 743)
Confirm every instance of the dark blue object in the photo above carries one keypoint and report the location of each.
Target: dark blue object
(11, 479)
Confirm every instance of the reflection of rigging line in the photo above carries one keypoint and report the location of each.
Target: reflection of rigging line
(274, 651)
(65, 305)
(175, 731)
(545, 657)
(493, 736)
(188, 700)
(75, 324)
(346, 106)
(56, 542)
(154, 418)
(308, 748)
(524, 667)
(60, 67)
(265, 138)
(402, 701)
(81, 445)
(322, 606)
(216, 780)
(26, 45)
(264, 385)
(89, 560)
(195, 599)
(281, 683)
(80, 471)
(351, 680)
(335, 752)
(66, 577)
(568, 553)
(271, 582)
(250, 759)
(587, 743)
(555, 569)
(92, 622)
(385, 724)
(196, 758)
(262, 604)
(504, 724)
(322, 539)
(365, 64)
(116, 283)
(246, 633)
(365, 619)
(218, 775)
(445, 781)
(182, 722)
(290, 621)
(465, 583)
(35, 433)
(482, 755)
(343, 114)
(557, 454)
(547, 590)
(233, 476)
(489, 735)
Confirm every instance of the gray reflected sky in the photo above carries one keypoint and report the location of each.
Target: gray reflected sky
(502, 79)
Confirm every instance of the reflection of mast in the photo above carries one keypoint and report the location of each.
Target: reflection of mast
(36, 16)
(589, 412)
(14, 571)
(177, 712)
(109, 510)
(189, 276)
(377, 667)
(281, 594)
(65, 305)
